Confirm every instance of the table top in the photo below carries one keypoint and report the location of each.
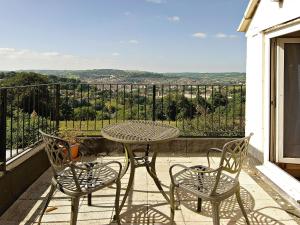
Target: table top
(140, 132)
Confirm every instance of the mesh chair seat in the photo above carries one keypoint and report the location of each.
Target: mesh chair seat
(88, 180)
(201, 184)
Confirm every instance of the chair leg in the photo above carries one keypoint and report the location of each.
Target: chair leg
(239, 200)
(117, 202)
(172, 202)
(50, 194)
(89, 199)
(199, 205)
(74, 210)
(215, 211)
(199, 201)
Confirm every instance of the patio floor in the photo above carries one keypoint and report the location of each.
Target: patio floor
(146, 205)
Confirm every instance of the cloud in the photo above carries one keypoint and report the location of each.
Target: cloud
(12, 53)
(199, 35)
(115, 54)
(155, 1)
(17, 59)
(127, 13)
(233, 36)
(133, 41)
(174, 18)
(50, 54)
(222, 35)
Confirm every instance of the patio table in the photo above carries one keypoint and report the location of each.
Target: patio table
(140, 133)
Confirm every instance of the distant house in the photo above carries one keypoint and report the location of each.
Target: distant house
(272, 29)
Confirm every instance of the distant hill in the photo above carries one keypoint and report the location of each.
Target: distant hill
(96, 73)
(130, 76)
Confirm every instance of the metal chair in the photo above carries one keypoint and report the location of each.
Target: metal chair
(214, 185)
(78, 179)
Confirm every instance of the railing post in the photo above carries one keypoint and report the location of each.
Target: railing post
(154, 103)
(3, 111)
(57, 103)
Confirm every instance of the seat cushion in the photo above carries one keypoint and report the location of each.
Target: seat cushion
(94, 178)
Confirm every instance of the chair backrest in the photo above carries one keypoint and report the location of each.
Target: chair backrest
(58, 151)
(234, 154)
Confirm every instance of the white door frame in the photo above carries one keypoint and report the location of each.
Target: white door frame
(280, 101)
(266, 71)
(282, 179)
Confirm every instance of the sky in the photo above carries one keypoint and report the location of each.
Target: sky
(148, 35)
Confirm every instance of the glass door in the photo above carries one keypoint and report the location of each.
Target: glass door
(288, 100)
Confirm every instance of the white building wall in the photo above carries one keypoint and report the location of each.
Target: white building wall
(254, 92)
(270, 13)
(267, 15)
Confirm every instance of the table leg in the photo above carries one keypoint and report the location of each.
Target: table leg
(131, 177)
(152, 172)
(127, 161)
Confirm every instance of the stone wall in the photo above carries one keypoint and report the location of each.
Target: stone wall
(179, 146)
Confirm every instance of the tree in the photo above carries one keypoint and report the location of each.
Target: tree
(32, 98)
(218, 99)
(172, 110)
(186, 108)
(24, 78)
(85, 113)
(66, 110)
(203, 106)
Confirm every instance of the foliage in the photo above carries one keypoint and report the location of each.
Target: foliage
(218, 99)
(186, 109)
(23, 79)
(22, 129)
(84, 113)
(218, 112)
(172, 110)
(70, 135)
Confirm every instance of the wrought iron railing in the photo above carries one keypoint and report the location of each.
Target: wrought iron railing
(198, 110)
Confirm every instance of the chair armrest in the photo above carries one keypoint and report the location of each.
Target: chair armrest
(118, 163)
(212, 150)
(215, 149)
(79, 156)
(171, 171)
(80, 153)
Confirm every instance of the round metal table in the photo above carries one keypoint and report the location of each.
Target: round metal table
(137, 133)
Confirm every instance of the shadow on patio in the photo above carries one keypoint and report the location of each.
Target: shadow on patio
(145, 205)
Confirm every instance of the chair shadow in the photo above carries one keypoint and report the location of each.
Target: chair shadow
(256, 218)
(146, 214)
(229, 209)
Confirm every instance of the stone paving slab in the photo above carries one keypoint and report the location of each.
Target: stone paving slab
(145, 204)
